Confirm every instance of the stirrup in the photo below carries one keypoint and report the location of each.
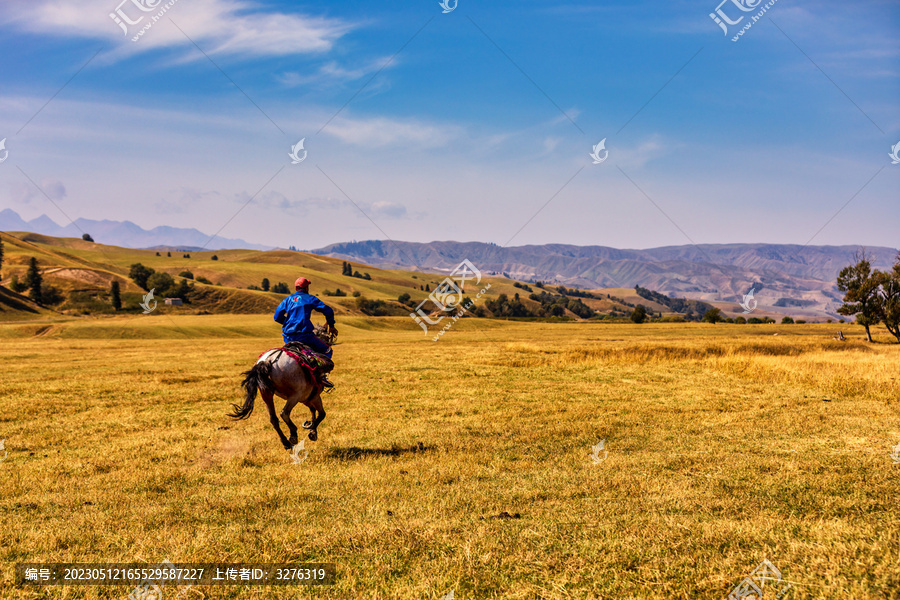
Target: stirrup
(326, 384)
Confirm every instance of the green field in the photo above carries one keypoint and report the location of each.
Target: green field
(461, 464)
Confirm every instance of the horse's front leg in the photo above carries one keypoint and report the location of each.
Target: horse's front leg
(273, 418)
(286, 417)
(312, 418)
(318, 413)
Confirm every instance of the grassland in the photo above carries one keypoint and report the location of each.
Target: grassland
(462, 464)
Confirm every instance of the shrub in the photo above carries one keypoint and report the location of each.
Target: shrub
(373, 308)
(186, 275)
(713, 315)
(203, 279)
(16, 285)
(639, 314)
(50, 295)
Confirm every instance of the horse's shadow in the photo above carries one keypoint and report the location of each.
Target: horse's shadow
(355, 452)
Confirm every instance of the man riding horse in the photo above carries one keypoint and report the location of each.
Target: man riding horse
(290, 372)
(294, 315)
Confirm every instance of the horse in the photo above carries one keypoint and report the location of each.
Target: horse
(277, 374)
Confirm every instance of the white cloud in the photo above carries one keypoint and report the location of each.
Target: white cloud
(333, 72)
(389, 210)
(382, 131)
(635, 157)
(234, 27)
(24, 192)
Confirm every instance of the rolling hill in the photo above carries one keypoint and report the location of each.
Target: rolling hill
(799, 278)
(228, 281)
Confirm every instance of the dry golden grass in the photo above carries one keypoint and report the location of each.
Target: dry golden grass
(727, 445)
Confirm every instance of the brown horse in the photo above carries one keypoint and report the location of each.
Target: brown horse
(277, 374)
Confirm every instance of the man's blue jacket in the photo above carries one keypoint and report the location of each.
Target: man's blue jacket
(294, 312)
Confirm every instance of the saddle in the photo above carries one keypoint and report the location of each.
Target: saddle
(317, 364)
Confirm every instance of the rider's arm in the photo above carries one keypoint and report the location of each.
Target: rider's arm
(280, 313)
(325, 310)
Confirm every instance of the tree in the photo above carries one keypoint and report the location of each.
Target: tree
(860, 287)
(214, 257)
(169, 254)
(50, 295)
(265, 284)
(639, 314)
(281, 288)
(890, 299)
(404, 298)
(163, 283)
(33, 280)
(740, 320)
(116, 295)
(787, 321)
(16, 285)
(87, 237)
(713, 315)
(346, 269)
(182, 290)
(140, 274)
(186, 275)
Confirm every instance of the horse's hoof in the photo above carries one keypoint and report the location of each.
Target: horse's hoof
(313, 435)
(293, 441)
(307, 424)
(288, 448)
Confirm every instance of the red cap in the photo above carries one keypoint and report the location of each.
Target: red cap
(302, 284)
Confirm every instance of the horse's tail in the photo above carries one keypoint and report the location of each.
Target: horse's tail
(257, 378)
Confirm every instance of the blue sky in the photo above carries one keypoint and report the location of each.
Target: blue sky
(467, 125)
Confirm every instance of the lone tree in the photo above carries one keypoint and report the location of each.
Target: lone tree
(265, 284)
(890, 299)
(140, 274)
(713, 315)
(87, 237)
(33, 280)
(116, 295)
(639, 314)
(860, 286)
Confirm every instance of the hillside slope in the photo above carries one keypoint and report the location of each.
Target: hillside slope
(801, 277)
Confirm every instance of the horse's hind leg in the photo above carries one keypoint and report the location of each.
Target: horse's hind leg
(273, 418)
(286, 417)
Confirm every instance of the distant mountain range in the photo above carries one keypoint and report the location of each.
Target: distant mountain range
(124, 233)
(782, 275)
